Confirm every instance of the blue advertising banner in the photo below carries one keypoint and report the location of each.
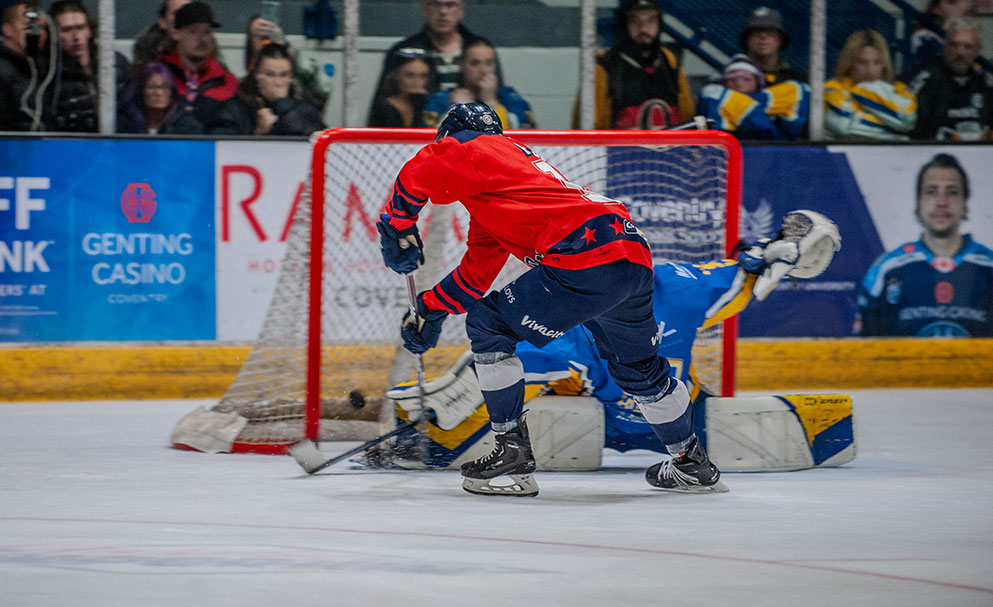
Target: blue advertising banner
(778, 180)
(106, 240)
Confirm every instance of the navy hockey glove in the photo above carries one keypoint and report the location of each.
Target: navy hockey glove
(402, 249)
(425, 335)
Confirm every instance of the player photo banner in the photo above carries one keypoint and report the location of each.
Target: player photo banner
(870, 192)
(106, 240)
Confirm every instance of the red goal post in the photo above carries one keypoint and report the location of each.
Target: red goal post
(331, 329)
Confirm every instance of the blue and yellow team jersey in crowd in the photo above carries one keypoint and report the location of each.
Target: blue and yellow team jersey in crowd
(912, 292)
(873, 109)
(777, 112)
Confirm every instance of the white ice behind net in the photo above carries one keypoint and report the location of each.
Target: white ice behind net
(676, 194)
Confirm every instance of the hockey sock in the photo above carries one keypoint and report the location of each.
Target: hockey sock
(501, 380)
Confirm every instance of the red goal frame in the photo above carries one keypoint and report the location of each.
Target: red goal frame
(530, 137)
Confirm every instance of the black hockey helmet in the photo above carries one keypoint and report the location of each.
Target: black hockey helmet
(475, 116)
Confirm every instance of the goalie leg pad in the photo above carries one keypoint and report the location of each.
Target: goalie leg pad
(454, 396)
(780, 433)
(567, 433)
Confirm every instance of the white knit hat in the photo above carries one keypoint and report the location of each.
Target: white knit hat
(741, 63)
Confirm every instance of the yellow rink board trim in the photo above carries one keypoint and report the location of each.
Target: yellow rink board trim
(154, 372)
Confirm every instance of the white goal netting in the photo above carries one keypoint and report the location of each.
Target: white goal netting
(676, 185)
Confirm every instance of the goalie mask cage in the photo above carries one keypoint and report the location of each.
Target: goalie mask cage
(330, 339)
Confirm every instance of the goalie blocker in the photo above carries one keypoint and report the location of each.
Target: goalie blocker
(741, 434)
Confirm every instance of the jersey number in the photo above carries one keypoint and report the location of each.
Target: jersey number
(544, 167)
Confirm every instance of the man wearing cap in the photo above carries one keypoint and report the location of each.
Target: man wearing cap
(763, 39)
(201, 81)
(638, 72)
(741, 103)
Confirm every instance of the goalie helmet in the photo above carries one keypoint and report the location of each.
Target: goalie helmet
(476, 116)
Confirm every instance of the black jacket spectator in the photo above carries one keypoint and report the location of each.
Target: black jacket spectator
(15, 79)
(151, 105)
(77, 101)
(949, 107)
(294, 117)
(267, 101)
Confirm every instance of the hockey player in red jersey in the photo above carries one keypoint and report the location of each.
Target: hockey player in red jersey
(590, 266)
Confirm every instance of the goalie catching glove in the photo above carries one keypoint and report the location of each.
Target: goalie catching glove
(422, 335)
(402, 250)
(803, 248)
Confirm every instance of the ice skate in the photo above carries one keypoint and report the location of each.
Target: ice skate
(691, 472)
(512, 456)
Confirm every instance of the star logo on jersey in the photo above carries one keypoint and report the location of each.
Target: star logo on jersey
(618, 227)
(588, 235)
(943, 264)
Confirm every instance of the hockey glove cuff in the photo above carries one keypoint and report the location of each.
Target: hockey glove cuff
(424, 336)
(402, 250)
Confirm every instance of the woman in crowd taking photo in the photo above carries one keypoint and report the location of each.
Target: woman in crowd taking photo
(266, 102)
(403, 93)
(864, 101)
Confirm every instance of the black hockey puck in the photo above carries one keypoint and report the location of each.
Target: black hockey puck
(356, 399)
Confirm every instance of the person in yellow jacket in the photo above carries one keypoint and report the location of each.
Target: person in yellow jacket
(864, 100)
(638, 82)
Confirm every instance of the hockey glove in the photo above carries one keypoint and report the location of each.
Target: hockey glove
(424, 336)
(402, 250)
(803, 249)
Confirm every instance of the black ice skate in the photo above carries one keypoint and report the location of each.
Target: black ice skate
(691, 472)
(512, 456)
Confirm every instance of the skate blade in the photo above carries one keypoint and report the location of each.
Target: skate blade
(523, 485)
(717, 487)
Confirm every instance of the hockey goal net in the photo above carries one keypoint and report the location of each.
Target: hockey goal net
(329, 347)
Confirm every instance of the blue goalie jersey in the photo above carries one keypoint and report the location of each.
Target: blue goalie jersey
(687, 297)
(912, 292)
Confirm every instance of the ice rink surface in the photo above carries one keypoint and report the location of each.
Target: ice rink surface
(97, 510)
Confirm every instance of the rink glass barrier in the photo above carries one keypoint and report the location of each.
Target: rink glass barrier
(112, 240)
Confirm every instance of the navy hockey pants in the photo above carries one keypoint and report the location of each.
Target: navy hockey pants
(613, 301)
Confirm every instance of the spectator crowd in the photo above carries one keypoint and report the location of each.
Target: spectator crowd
(176, 82)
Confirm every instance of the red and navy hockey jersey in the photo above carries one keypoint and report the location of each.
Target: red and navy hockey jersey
(518, 205)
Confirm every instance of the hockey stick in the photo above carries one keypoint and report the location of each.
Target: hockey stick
(419, 363)
(418, 367)
(312, 460)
